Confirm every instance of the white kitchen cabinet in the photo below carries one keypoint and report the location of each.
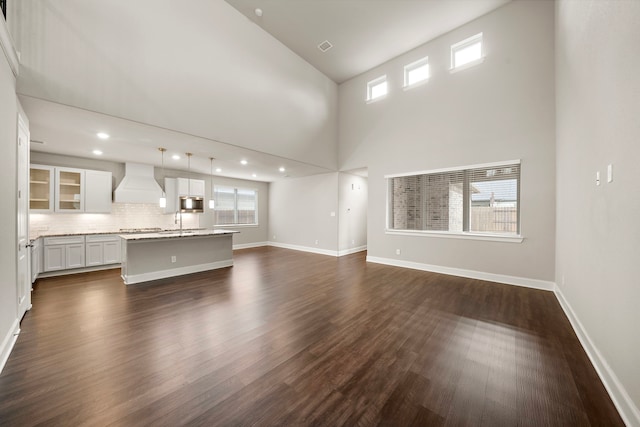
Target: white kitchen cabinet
(69, 190)
(112, 252)
(94, 254)
(102, 249)
(41, 188)
(97, 193)
(36, 259)
(54, 258)
(190, 187)
(75, 255)
(60, 189)
(61, 253)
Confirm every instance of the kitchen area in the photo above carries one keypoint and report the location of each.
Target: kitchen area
(88, 215)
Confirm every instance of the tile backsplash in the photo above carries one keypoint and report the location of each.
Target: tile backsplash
(123, 215)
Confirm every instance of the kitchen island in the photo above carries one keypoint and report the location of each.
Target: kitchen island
(153, 256)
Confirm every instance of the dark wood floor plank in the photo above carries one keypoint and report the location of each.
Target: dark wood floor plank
(292, 338)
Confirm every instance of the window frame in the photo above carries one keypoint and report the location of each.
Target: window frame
(235, 206)
(414, 66)
(371, 84)
(465, 234)
(469, 41)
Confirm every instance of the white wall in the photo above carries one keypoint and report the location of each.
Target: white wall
(352, 218)
(8, 207)
(502, 109)
(598, 227)
(300, 213)
(199, 67)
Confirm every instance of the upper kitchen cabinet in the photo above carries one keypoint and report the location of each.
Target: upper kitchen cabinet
(190, 187)
(97, 197)
(59, 189)
(41, 188)
(69, 190)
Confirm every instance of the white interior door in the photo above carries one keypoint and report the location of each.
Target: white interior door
(24, 264)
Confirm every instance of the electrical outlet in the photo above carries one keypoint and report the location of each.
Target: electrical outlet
(397, 251)
(316, 242)
(353, 242)
(274, 237)
(173, 258)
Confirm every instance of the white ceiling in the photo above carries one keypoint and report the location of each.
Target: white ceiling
(364, 33)
(148, 84)
(61, 129)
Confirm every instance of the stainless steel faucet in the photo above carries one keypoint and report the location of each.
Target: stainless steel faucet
(175, 219)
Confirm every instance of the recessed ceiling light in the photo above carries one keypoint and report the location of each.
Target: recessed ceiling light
(97, 152)
(243, 162)
(102, 135)
(281, 169)
(175, 157)
(218, 170)
(258, 12)
(254, 175)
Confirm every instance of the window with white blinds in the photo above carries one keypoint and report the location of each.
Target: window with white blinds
(476, 199)
(234, 206)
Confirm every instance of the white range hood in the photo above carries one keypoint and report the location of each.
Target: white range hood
(138, 185)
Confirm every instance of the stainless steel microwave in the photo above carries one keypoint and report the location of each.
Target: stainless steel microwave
(191, 204)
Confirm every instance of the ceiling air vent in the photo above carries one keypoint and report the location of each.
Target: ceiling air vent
(325, 46)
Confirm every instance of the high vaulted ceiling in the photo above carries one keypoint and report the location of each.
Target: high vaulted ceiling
(204, 78)
(364, 33)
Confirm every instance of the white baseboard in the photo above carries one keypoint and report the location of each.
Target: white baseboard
(352, 250)
(472, 274)
(304, 249)
(250, 245)
(8, 342)
(621, 399)
(172, 272)
(78, 270)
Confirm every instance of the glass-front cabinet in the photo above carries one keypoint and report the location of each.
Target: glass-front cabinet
(69, 190)
(41, 188)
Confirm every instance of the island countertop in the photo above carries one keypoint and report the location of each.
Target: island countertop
(172, 234)
(158, 255)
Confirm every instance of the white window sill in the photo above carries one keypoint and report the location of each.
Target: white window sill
(514, 238)
(467, 65)
(236, 226)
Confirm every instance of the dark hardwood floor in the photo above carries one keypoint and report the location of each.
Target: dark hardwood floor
(290, 338)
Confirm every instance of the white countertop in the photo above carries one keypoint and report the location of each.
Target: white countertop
(172, 234)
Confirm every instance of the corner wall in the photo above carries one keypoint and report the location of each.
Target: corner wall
(300, 213)
(500, 110)
(9, 322)
(352, 216)
(598, 227)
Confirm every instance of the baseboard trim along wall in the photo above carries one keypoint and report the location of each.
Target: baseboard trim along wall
(172, 272)
(8, 342)
(627, 409)
(471, 274)
(250, 245)
(304, 248)
(352, 250)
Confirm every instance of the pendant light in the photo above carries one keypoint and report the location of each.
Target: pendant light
(163, 198)
(212, 203)
(189, 200)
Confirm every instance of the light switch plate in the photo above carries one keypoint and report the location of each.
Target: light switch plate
(598, 178)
